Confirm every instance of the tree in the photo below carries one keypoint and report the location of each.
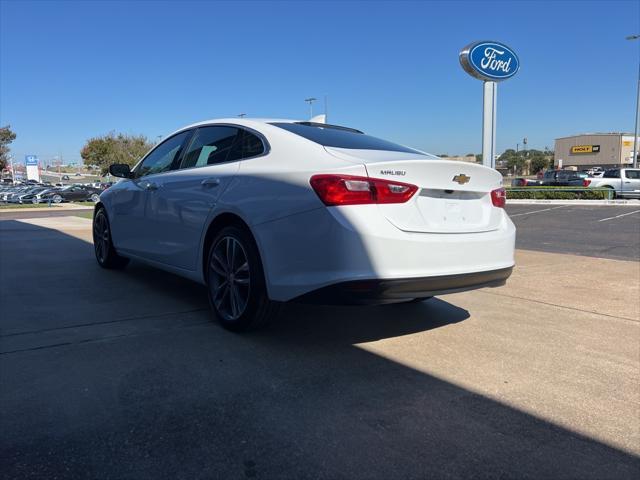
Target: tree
(114, 148)
(538, 163)
(6, 137)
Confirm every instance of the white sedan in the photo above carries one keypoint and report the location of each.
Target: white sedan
(270, 211)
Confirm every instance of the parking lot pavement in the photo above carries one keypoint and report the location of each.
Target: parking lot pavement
(597, 231)
(123, 375)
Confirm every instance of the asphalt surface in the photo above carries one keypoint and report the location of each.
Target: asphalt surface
(124, 375)
(595, 231)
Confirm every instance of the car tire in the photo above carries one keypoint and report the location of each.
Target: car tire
(106, 255)
(235, 281)
(56, 199)
(34, 201)
(95, 198)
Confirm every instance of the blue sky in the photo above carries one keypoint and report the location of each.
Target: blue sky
(72, 70)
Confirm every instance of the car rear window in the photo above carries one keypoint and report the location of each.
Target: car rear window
(341, 137)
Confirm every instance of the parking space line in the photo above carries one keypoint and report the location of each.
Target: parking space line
(538, 211)
(617, 216)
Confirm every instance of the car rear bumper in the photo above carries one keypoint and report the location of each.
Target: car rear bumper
(377, 291)
(307, 252)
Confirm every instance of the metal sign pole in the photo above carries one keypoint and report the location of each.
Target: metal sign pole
(489, 101)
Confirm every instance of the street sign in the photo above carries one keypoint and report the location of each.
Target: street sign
(33, 170)
(491, 62)
(580, 149)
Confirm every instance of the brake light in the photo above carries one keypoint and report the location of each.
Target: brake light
(499, 197)
(585, 182)
(336, 190)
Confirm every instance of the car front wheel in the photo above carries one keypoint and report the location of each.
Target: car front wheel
(56, 199)
(103, 245)
(95, 198)
(235, 280)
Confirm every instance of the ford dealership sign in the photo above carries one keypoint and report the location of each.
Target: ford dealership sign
(489, 61)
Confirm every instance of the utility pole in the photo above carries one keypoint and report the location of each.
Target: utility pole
(310, 101)
(635, 133)
(326, 113)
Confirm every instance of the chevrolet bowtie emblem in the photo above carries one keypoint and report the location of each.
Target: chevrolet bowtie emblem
(461, 179)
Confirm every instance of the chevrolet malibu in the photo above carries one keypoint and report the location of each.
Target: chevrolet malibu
(270, 211)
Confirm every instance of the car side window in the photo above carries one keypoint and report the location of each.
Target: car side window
(163, 156)
(210, 145)
(247, 145)
(633, 174)
(612, 174)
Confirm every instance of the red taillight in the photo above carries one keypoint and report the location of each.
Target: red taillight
(585, 182)
(499, 197)
(336, 190)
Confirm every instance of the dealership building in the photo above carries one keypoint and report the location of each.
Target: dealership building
(605, 150)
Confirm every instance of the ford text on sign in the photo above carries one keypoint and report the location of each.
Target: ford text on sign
(490, 61)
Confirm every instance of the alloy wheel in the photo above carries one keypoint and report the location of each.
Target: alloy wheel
(229, 278)
(101, 237)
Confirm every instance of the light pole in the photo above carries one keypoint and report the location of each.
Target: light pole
(635, 133)
(310, 101)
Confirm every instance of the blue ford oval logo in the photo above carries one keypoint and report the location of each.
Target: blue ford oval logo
(491, 61)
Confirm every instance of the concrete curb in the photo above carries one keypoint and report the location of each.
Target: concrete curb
(599, 203)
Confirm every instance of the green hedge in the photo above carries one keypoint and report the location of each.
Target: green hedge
(551, 193)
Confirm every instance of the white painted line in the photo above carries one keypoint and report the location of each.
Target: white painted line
(591, 203)
(537, 211)
(617, 216)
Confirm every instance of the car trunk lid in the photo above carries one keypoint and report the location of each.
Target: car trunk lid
(453, 197)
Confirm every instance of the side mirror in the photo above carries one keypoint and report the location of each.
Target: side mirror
(121, 170)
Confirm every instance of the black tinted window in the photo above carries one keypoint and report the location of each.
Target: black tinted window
(252, 146)
(211, 145)
(329, 136)
(247, 145)
(161, 159)
(635, 174)
(612, 174)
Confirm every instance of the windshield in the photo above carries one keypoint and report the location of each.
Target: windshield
(342, 137)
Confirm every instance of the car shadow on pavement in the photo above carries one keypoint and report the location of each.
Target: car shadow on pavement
(298, 400)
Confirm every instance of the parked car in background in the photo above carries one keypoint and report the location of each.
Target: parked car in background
(625, 182)
(65, 177)
(525, 182)
(43, 196)
(562, 178)
(73, 193)
(549, 177)
(9, 194)
(570, 178)
(595, 171)
(27, 195)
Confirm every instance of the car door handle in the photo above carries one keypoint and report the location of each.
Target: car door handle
(151, 186)
(210, 182)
